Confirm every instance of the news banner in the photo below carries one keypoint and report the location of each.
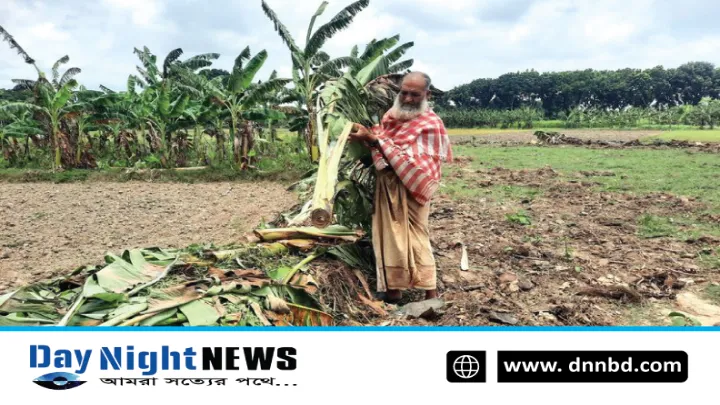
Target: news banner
(356, 365)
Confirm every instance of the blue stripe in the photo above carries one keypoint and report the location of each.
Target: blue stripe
(360, 329)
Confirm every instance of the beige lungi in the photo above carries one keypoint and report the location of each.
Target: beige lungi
(401, 238)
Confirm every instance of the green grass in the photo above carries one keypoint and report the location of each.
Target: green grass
(549, 126)
(691, 135)
(679, 133)
(651, 226)
(682, 226)
(461, 189)
(710, 258)
(639, 171)
(712, 293)
(521, 218)
(508, 192)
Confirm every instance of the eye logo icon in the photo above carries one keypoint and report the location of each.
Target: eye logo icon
(58, 381)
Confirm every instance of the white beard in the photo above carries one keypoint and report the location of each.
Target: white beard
(407, 113)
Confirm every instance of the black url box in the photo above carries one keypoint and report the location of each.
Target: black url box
(592, 366)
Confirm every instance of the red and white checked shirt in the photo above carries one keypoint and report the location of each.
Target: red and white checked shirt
(414, 150)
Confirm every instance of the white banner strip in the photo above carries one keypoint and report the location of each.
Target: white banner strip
(359, 365)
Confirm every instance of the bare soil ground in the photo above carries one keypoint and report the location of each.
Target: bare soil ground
(580, 261)
(49, 229)
(584, 134)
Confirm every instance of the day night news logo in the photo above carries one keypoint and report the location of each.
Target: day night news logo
(69, 365)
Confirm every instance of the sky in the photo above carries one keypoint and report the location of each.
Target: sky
(456, 41)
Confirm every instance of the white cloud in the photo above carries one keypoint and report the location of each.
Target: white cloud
(229, 37)
(144, 12)
(48, 32)
(455, 41)
(368, 25)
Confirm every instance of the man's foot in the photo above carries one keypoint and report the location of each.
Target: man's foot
(430, 294)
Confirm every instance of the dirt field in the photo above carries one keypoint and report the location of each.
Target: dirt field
(579, 263)
(49, 229)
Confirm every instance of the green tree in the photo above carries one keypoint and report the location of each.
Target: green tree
(311, 66)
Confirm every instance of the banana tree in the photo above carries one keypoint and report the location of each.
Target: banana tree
(16, 46)
(125, 116)
(241, 98)
(377, 48)
(57, 81)
(168, 116)
(343, 101)
(153, 75)
(311, 66)
(209, 117)
(53, 107)
(17, 133)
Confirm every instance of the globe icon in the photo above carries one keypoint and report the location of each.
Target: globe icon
(466, 366)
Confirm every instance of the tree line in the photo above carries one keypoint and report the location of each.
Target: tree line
(557, 94)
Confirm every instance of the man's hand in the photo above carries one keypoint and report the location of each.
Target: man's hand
(361, 134)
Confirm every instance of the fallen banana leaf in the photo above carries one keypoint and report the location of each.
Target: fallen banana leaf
(274, 249)
(5, 297)
(375, 306)
(304, 281)
(13, 306)
(28, 319)
(304, 316)
(303, 245)
(249, 273)
(145, 287)
(98, 315)
(158, 318)
(219, 273)
(172, 297)
(279, 319)
(223, 255)
(162, 301)
(277, 304)
(219, 307)
(280, 273)
(155, 280)
(265, 250)
(200, 312)
(161, 254)
(89, 322)
(131, 270)
(178, 319)
(91, 289)
(234, 299)
(124, 312)
(259, 313)
(97, 307)
(5, 321)
(334, 232)
(300, 265)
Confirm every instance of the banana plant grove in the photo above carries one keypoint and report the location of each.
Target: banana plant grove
(180, 111)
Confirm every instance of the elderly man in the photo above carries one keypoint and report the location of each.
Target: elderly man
(407, 150)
